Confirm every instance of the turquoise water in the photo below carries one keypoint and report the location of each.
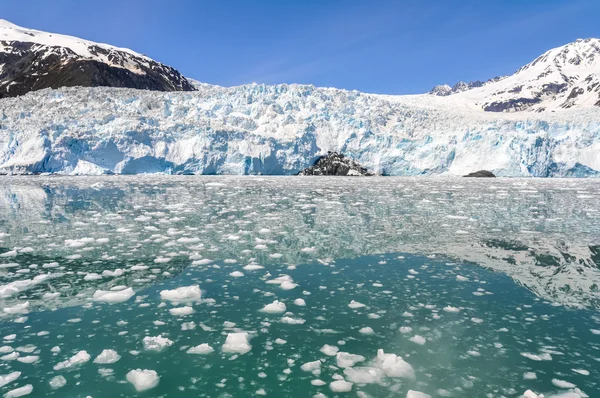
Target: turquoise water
(477, 291)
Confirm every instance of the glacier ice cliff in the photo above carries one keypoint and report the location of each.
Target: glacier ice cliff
(282, 129)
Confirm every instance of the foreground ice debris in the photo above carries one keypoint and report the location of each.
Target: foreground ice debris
(113, 297)
(78, 359)
(143, 379)
(237, 343)
(19, 392)
(107, 357)
(182, 294)
(340, 386)
(9, 378)
(276, 307)
(393, 365)
(201, 349)
(57, 382)
(416, 394)
(156, 343)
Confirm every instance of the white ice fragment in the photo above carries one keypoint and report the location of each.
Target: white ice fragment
(329, 350)
(9, 378)
(562, 383)
(236, 274)
(182, 311)
(534, 357)
(182, 294)
(276, 307)
(20, 308)
(340, 386)
(287, 285)
(19, 392)
(355, 304)
(107, 357)
(405, 329)
(416, 394)
(156, 343)
(201, 349)
(292, 321)
(420, 340)
(78, 359)
(393, 365)
(451, 309)
(237, 343)
(113, 297)
(311, 366)
(300, 302)
(143, 379)
(347, 360)
(57, 382)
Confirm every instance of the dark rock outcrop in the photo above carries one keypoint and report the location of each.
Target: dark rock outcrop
(481, 173)
(335, 164)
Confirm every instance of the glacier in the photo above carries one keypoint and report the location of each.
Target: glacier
(282, 129)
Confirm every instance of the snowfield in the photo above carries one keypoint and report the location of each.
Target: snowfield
(281, 129)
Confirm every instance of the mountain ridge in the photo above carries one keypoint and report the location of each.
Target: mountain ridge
(31, 60)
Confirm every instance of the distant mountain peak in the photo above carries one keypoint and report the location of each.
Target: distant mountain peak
(32, 59)
(562, 77)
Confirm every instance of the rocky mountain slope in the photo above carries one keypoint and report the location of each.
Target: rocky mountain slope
(32, 60)
(564, 77)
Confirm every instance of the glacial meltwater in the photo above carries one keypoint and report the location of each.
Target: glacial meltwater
(190, 286)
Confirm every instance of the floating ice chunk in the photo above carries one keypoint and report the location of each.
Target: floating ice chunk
(562, 383)
(595, 331)
(451, 309)
(182, 294)
(143, 379)
(57, 382)
(420, 340)
(280, 341)
(355, 304)
(162, 260)
(201, 349)
(280, 279)
(78, 359)
(182, 311)
(329, 350)
(287, 285)
(581, 372)
(139, 267)
(366, 330)
(405, 329)
(19, 392)
(107, 357)
(28, 359)
(311, 366)
(340, 386)
(292, 321)
(318, 383)
(156, 343)
(276, 307)
(253, 267)
(416, 394)
(92, 276)
(461, 278)
(534, 357)
(531, 394)
(236, 274)
(237, 343)
(11, 253)
(363, 375)
(9, 378)
(529, 376)
(347, 360)
(10, 357)
(185, 240)
(108, 273)
(393, 365)
(112, 297)
(20, 308)
(300, 302)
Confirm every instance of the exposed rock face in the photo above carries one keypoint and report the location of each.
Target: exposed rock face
(481, 173)
(335, 164)
(32, 60)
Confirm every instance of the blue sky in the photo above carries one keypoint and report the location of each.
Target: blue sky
(396, 47)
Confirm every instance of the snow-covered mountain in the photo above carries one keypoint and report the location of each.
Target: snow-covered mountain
(564, 77)
(32, 60)
(283, 129)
